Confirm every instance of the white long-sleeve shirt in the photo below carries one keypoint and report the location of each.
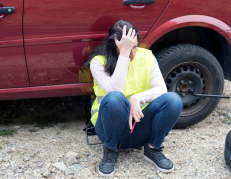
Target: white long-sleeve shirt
(117, 81)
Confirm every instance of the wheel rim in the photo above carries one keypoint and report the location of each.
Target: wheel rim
(186, 76)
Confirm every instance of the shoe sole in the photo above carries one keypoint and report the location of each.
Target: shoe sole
(106, 175)
(161, 169)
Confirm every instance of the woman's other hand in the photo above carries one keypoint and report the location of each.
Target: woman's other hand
(135, 111)
(126, 43)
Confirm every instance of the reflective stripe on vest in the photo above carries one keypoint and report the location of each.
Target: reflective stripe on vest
(94, 111)
(137, 79)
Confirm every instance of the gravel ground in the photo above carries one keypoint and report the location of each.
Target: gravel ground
(49, 142)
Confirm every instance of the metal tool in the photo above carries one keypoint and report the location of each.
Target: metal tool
(209, 95)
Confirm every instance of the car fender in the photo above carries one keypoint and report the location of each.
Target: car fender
(185, 21)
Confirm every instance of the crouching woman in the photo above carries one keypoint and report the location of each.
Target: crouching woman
(129, 90)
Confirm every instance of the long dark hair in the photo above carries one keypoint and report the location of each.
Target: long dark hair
(108, 46)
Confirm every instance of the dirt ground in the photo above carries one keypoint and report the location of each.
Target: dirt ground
(47, 129)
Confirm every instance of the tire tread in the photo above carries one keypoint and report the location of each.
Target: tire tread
(177, 49)
(227, 150)
(167, 53)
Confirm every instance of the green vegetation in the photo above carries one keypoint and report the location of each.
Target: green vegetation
(32, 130)
(210, 135)
(9, 132)
(5, 142)
(226, 120)
(0, 148)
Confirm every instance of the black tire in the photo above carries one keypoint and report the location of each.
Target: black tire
(227, 151)
(185, 67)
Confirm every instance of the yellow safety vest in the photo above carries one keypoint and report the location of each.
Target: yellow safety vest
(137, 79)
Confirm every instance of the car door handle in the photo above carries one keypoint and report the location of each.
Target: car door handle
(138, 1)
(6, 10)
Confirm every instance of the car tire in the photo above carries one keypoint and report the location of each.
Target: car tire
(227, 151)
(185, 67)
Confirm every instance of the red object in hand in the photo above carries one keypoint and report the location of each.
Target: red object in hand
(133, 125)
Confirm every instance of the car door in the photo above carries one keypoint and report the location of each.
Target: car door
(59, 34)
(13, 71)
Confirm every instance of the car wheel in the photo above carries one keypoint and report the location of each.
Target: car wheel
(185, 67)
(227, 151)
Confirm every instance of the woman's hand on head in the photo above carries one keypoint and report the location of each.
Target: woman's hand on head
(135, 111)
(126, 43)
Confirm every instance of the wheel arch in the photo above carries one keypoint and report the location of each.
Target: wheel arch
(209, 33)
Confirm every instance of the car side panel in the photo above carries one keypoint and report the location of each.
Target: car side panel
(60, 34)
(51, 64)
(13, 70)
(216, 9)
(55, 18)
(47, 91)
(185, 21)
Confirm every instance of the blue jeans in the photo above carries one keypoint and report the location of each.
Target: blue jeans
(159, 118)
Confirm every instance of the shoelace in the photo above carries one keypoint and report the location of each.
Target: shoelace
(158, 153)
(109, 156)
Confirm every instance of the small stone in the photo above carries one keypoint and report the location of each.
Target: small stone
(31, 109)
(17, 127)
(229, 115)
(69, 172)
(71, 160)
(79, 156)
(12, 162)
(6, 158)
(214, 114)
(204, 137)
(75, 168)
(20, 171)
(53, 170)
(60, 166)
(161, 175)
(71, 153)
(48, 165)
(36, 171)
(26, 158)
(118, 174)
(87, 154)
(45, 172)
(39, 164)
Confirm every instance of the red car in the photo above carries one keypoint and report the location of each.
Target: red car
(44, 43)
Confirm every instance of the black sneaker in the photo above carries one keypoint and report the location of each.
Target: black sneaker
(157, 157)
(106, 167)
